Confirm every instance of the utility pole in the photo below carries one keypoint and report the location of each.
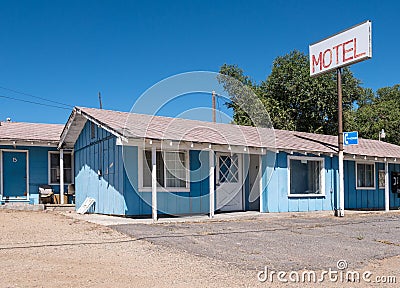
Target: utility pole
(101, 104)
(214, 118)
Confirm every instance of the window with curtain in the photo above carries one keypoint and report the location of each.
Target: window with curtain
(171, 168)
(365, 175)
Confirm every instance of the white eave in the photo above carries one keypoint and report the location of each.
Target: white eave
(22, 142)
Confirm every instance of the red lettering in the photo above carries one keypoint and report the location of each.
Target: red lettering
(337, 52)
(330, 58)
(345, 51)
(355, 50)
(317, 61)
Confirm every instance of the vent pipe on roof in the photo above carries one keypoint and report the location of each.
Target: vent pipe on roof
(8, 119)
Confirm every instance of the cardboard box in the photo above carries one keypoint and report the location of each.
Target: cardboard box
(57, 199)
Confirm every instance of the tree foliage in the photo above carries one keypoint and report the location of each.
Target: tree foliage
(376, 112)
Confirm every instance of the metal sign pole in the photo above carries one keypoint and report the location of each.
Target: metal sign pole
(340, 211)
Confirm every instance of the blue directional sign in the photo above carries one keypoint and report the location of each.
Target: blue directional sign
(350, 138)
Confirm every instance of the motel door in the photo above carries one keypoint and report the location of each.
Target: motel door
(14, 174)
(229, 192)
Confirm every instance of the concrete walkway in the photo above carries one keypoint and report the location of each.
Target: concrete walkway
(108, 220)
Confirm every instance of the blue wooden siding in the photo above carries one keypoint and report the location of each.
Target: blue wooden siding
(367, 198)
(116, 189)
(38, 169)
(275, 182)
(99, 155)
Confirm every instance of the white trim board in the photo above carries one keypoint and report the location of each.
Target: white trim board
(185, 145)
(28, 143)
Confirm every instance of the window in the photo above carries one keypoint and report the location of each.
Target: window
(381, 179)
(54, 168)
(365, 175)
(171, 170)
(306, 177)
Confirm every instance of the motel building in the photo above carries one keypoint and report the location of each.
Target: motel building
(142, 165)
(29, 159)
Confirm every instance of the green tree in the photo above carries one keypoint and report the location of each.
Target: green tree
(376, 112)
(293, 99)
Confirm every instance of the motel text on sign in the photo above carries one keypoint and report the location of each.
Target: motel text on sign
(347, 47)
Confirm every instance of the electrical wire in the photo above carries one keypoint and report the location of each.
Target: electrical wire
(37, 97)
(34, 102)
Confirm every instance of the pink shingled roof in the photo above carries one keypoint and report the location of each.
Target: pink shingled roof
(20, 131)
(292, 140)
(142, 126)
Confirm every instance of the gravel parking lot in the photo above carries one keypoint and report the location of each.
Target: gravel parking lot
(286, 243)
(50, 249)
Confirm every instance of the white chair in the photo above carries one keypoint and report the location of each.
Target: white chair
(46, 194)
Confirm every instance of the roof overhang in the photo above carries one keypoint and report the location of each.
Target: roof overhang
(353, 157)
(33, 143)
(185, 145)
(74, 126)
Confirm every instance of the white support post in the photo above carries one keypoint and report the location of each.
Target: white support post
(341, 185)
(61, 176)
(387, 198)
(260, 174)
(154, 183)
(211, 176)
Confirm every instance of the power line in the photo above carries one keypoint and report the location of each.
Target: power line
(33, 102)
(37, 97)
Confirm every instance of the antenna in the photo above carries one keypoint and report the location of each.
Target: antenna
(100, 103)
(213, 107)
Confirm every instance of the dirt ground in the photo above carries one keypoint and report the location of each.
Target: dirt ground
(47, 249)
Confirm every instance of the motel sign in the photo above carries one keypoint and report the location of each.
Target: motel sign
(342, 49)
(345, 48)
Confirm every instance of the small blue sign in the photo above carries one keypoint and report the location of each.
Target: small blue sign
(350, 138)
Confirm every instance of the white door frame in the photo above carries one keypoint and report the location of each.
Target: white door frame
(2, 173)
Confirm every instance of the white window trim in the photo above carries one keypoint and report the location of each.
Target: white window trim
(49, 167)
(322, 175)
(366, 188)
(163, 189)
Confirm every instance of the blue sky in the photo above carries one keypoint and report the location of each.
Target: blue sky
(67, 51)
